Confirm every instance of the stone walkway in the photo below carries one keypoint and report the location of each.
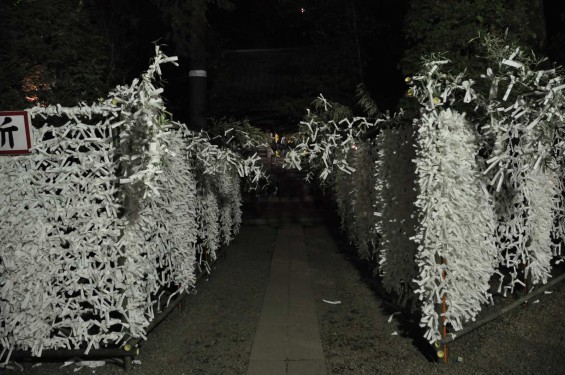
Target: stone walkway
(287, 340)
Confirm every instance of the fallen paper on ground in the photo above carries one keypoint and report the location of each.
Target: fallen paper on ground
(332, 302)
(390, 317)
(91, 364)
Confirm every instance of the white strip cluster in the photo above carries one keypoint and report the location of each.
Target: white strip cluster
(488, 188)
(523, 110)
(541, 190)
(60, 241)
(230, 195)
(208, 214)
(159, 241)
(103, 214)
(525, 227)
(334, 148)
(456, 253)
(326, 144)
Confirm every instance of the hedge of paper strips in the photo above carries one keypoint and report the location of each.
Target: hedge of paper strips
(334, 151)
(60, 241)
(229, 194)
(102, 215)
(160, 235)
(363, 202)
(456, 254)
(525, 106)
(208, 227)
(326, 143)
(344, 189)
(527, 211)
(488, 186)
(354, 196)
(541, 191)
(395, 193)
(518, 139)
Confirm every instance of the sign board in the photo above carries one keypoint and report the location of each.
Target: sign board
(15, 133)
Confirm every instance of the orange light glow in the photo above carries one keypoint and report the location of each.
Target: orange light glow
(32, 99)
(33, 83)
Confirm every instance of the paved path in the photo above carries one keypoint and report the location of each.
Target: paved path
(287, 340)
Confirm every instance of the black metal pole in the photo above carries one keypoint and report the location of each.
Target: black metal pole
(197, 76)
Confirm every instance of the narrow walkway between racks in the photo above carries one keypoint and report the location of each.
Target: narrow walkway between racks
(287, 340)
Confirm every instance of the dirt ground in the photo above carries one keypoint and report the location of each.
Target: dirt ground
(214, 331)
(358, 339)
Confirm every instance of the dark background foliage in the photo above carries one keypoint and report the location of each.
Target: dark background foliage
(437, 26)
(65, 51)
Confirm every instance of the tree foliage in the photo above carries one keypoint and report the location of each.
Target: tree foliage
(179, 16)
(65, 51)
(49, 54)
(451, 26)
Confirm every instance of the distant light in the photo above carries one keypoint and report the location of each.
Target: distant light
(302, 10)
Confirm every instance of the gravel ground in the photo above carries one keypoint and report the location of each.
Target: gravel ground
(357, 338)
(213, 333)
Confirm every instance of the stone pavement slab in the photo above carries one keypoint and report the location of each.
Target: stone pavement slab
(268, 367)
(287, 340)
(309, 367)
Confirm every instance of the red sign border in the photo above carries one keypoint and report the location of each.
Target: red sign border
(28, 134)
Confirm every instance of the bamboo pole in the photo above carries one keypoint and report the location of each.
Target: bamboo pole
(505, 309)
(444, 311)
(441, 309)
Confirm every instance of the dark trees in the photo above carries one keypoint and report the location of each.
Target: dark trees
(338, 45)
(188, 31)
(49, 54)
(555, 21)
(433, 26)
(66, 51)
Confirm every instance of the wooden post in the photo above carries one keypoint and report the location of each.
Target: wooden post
(441, 309)
(444, 310)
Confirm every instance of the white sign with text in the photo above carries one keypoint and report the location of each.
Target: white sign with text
(15, 133)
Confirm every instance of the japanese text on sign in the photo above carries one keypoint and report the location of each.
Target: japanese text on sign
(15, 136)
